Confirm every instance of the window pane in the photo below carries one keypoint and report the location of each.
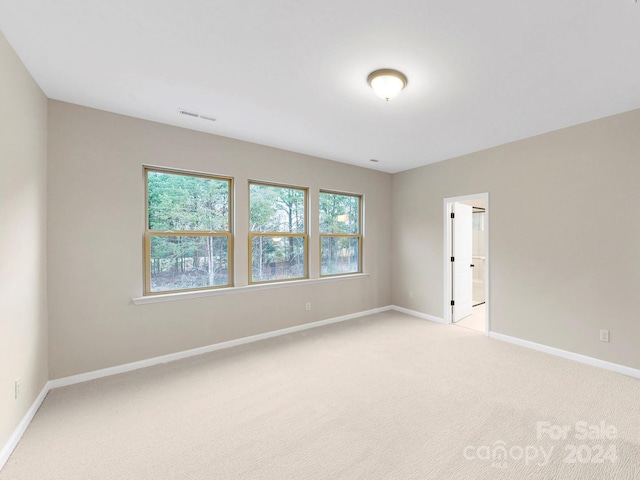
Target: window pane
(276, 209)
(277, 258)
(340, 255)
(339, 213)
(186, 202)
(181, 262)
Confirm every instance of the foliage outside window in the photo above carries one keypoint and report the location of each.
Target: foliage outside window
(188, 242)
(277, 232)
(340, 233)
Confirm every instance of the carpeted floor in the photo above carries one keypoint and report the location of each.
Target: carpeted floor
(383, 397)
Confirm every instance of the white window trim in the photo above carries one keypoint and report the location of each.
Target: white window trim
(170, 297)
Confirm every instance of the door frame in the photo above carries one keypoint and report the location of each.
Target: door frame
(448, 281)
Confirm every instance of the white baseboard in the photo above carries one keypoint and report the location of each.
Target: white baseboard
(11, 444)
(128, 367)
(105, 372)
(594, 362)
(425, 316)
(15, 437)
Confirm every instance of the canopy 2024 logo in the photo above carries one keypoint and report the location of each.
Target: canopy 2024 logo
(594, 448)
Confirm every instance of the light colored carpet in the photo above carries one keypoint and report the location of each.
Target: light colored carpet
(383, 397)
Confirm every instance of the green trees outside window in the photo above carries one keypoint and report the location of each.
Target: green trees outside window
(340, 233)
(277, 232)
(188, 240)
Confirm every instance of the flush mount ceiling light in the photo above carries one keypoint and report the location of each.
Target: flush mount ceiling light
(387, 83)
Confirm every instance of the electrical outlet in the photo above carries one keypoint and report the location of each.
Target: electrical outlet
(17, 388)
(604, 335)
(308, 306)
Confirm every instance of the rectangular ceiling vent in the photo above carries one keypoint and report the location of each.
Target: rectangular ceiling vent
(189, 113)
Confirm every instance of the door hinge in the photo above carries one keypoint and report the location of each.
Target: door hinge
(452, 303)
(453, 215)
(453, 259)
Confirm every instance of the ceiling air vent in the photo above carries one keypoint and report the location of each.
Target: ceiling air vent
(189, 113)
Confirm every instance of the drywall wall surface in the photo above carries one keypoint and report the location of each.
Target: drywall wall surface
(23, 236)
(96, 225)
(564, 236)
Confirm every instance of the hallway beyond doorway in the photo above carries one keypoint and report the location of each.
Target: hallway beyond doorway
(475, 321)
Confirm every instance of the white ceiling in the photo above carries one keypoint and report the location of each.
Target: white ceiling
(292, 73)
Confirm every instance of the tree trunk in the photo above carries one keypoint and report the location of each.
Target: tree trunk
(210, 256)
(260, 259)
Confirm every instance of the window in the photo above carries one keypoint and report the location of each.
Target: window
(188, 243)
(340, 233)
(277, 232)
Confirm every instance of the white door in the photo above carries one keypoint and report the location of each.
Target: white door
(462, 259)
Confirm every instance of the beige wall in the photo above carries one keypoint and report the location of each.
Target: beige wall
(564, 236)
(23, 235)
(564, 241)
(96, 213)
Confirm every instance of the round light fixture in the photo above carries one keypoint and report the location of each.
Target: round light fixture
(387, 83)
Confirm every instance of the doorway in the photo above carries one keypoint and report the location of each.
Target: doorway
(466, 261)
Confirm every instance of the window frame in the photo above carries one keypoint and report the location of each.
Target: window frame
(304, 235)
(358, 235)
(148, 233)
